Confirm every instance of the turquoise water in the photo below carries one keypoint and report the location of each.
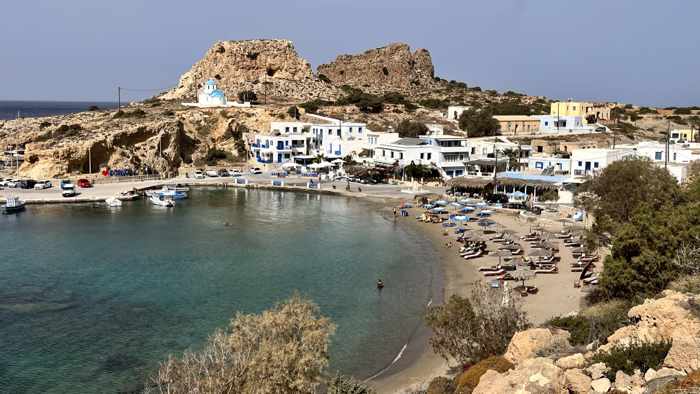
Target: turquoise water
(92, 298)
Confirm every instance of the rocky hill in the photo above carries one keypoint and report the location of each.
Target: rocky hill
(390, 68)
(267, 67)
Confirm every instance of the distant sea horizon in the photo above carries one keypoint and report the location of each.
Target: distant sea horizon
(10, 109)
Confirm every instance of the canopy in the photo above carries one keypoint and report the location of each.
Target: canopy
(467, 209)
(440, 202)
(486, 222)
(338, 161)
(290, 165)
(438, 210)
(462, 218)
(323, 164)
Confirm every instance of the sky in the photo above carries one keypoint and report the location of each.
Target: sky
(634, 51)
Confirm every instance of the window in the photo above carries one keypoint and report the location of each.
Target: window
(401, 155)
(674, 156)
(383, 153)
(658, 155)
(286, 129)
(392, 154)
(359, 130)
(580, 163)
(338, 132)
(546, 123)
(429, 154)
(540, 149)
(421, 156)
(595, 164)
(330, 131)
(294, 129)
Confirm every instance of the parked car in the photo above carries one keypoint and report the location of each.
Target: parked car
(212, 173)
(66, 185)
(69, 193)
(26, 184)
(43, 185)
(199, 174)
(235, 172)
(256, 170)
(223, 172)
(84, 183)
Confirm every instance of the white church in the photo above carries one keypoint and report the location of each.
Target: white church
(210, 96)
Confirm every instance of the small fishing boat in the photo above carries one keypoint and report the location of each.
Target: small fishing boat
(129, 196)
(113, 202)
(161, 200)
(177, 188)
(12, 205)
(167, 192)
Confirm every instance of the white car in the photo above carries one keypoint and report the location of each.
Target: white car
(198, 174)
(12, 183)
(235, 172)
(40, 185)
(256, 170)
(212, 174)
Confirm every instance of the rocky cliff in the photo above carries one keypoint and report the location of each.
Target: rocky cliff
(270, 68)
(390, 68)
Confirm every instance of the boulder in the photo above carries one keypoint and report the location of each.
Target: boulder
(684, 354)
(573, 361)
(650, 375)
(601, 385)
(664, 372)
(535, 375)
(629, 384)
(597, 370)
(537, 342)
(576, 381)
(657, 320)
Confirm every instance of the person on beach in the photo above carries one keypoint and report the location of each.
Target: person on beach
(394, 211)
(380, 284)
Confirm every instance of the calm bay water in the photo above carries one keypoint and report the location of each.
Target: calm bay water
(92, 298)
(30, 109)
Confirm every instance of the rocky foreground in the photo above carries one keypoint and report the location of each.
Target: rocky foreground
(544, 361)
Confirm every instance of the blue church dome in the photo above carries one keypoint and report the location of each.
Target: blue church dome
(211, 82)
(217, 93)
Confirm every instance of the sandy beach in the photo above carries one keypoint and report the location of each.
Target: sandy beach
(557, 294)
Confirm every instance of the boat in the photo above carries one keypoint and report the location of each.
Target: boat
(12, 205)
(167, 192)
(177, 188)
(69, 193)
(161, 200)
(113, 202)
(129, 196)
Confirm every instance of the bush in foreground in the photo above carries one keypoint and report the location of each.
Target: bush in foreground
(282, 350)
(596, 323)
(639, 355)
(341, 384)
(471, 329)
(469, 379)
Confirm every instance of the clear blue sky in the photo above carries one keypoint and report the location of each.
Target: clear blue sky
(645, 52)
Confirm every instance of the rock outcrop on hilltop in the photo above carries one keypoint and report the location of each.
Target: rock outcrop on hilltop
(390, 68)
(268, 67)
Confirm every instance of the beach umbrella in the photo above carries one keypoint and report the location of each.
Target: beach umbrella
(466, 209)
(455, 204)
(440, 202)
(438, 210)
(428, 206)
(510, 247)
(503, 253)
(484, 214)
(522, 274)
(461, 218)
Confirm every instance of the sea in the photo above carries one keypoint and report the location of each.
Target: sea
(93, 298)
(31, 109)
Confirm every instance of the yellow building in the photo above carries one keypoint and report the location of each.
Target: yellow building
(685, 135)
(586, 111)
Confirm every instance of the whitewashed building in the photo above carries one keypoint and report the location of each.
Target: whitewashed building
(590, 162)
(455, 111)
(447, 153)
(210, 96)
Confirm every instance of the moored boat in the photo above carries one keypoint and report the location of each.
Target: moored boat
(161, 200)
(113, 202)
(12, 205)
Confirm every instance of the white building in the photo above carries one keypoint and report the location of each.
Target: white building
(656, 152)
(278, 149)
(446, 153)
(590, 162)
(549, 165)
(455, 111)
(563, 124)
(210, 96)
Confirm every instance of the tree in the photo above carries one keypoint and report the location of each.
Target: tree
(282, 350)
(513, 158)
(626, 185)
(408, 128)
(471, 329)
(478, 123)
(248, 95)
(347, 385)
(293, 112)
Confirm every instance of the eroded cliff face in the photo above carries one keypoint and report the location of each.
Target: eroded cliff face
(270, 68)
(161, 138)
(390, 68)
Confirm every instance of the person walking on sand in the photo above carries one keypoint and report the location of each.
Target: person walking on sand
(394, 211)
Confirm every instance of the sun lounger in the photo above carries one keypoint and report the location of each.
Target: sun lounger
(494, 273)
(552, 270)
(473, 255)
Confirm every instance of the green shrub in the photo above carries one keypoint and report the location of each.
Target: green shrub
(137, 113)
(248, 95)
(314, 105)
(410, 107)
(293, 112)
(324, 78)
(394, 98)
(409, 128)
(434, 103)
(467, 381)
(215, 154)
(341, 384)
(595, 323)
(639, 355)
(441, 385)
(682, 111)
(686, 284)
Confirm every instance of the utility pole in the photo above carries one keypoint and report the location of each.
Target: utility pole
(89, 160)
(495, 168)
(119, 97)
(668, 134)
